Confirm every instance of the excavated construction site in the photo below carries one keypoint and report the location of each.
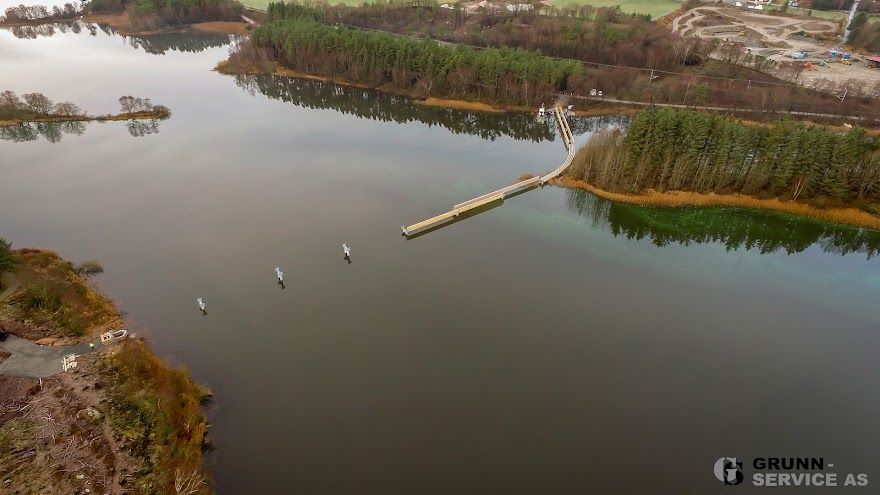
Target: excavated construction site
(779, 37)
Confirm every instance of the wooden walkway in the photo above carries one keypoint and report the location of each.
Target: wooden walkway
(504, 192)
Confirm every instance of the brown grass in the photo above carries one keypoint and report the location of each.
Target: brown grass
(157, 410)
(122, 24)
(82, 311)
(221, 27)
(119, 22)
(845, 216)
(459, 105)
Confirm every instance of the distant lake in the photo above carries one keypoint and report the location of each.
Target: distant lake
(556, 343)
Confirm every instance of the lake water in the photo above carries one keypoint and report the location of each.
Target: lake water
(556, 344)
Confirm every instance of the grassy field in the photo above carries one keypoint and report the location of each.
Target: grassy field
(255, 4)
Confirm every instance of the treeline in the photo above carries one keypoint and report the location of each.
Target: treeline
(704, 152)
(37, 106)
(711, 82)
(40, 13)
(865, 35)
(157, 14)
(424, 67)
(33, 105)
(602, 35)
(765, 232)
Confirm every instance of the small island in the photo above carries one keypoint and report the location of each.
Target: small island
(37, 107)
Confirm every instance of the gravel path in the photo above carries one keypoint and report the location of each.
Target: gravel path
(36, 361)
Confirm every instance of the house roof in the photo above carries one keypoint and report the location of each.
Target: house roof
(874, 59)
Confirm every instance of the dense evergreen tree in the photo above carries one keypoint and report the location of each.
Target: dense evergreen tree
(504, 75)
(703, 152)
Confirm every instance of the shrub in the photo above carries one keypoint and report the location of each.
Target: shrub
(8, 261)
(89, 268)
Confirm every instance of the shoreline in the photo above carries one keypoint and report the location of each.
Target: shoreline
(231, 68)
(152, 114)
(596, 109)
(122, 25)
(146, 418)
(849, 217)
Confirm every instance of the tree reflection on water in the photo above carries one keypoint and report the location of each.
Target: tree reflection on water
(374, 105)
(156, 44)
(55, 131)
(735, 228)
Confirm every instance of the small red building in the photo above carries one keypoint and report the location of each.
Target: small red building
(873, 62)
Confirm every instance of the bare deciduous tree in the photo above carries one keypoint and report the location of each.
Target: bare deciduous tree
(188, 484)
(38, 102)
(67, 109)
(127, 103)
(9, 99)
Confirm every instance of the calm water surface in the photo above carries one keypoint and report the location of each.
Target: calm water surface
(556, 344)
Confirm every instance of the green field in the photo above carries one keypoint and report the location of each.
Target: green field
(657, 8)
(255, 4)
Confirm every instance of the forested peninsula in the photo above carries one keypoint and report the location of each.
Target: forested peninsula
(678, 157)
(517, 60)
(296, 40)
